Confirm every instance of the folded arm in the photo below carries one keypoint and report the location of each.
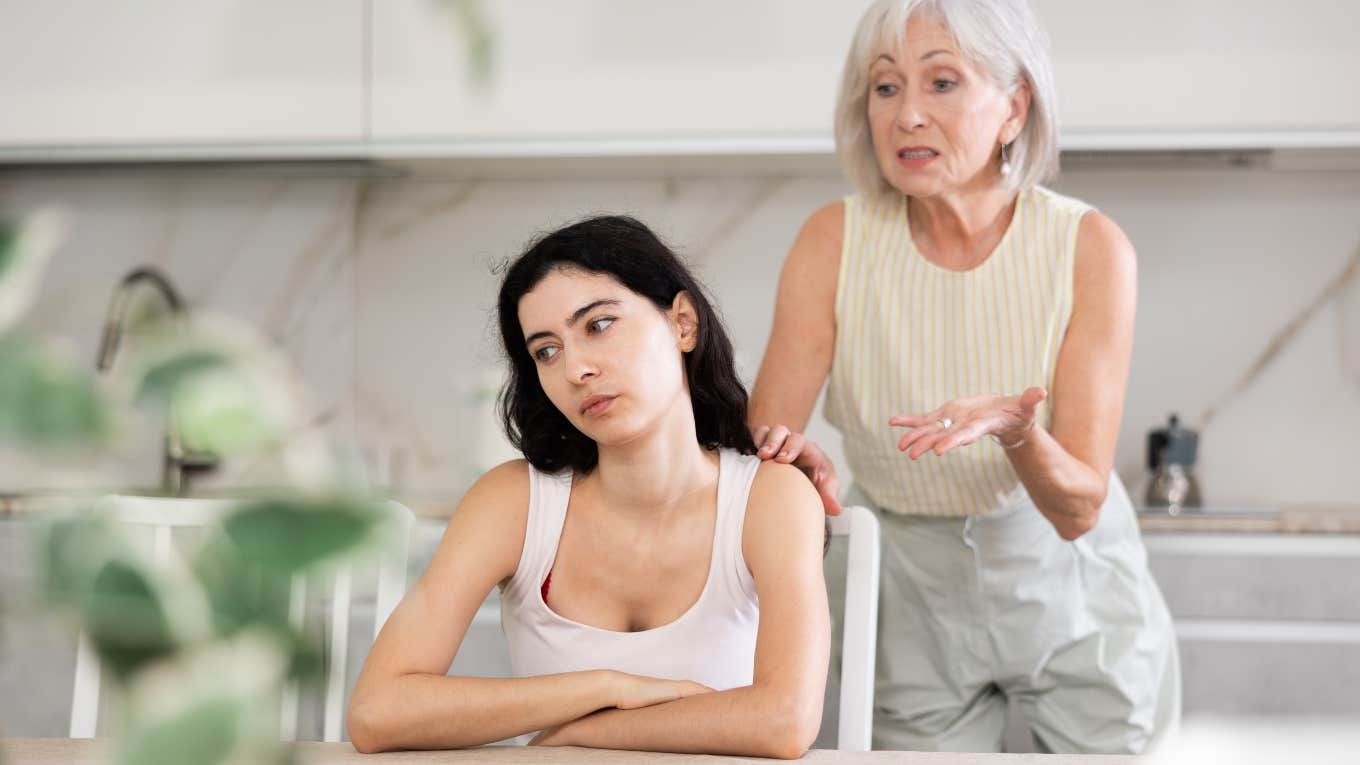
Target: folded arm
(800, 351)
(779, 714)
(404, 699)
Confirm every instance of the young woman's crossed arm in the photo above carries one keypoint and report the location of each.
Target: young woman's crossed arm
(403, 698)
(779, 714)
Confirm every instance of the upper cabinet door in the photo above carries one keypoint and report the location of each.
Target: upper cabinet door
(158, 72)
(608, 71)
(457, 77)
(1206, 72)
(633, 77)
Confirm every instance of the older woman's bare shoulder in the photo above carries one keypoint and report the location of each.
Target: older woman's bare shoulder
(818, 247)
(826, 223)
(1103, 250)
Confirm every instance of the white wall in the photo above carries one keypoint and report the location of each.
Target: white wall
(381, 291)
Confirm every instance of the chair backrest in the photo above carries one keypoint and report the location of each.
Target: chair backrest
(860, 633)
(162, 515)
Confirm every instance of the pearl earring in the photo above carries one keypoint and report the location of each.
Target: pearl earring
(1005, 159)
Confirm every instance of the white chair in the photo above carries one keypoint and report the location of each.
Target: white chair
(161, 516)
(859, 636)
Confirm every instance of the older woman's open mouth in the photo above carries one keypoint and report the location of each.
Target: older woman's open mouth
(916, 156)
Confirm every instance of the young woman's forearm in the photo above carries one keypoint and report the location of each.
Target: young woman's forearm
(749, 721)
(426, 711)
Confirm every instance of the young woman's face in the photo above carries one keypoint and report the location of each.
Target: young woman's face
(607, 358)
(937, 119)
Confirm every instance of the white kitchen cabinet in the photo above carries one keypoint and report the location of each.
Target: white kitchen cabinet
(759, 76)
(393, 79)
(1268, 624)
(610, 76)
(1205, 73)
(150, 74)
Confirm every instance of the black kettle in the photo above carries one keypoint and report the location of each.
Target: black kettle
(1171, 455)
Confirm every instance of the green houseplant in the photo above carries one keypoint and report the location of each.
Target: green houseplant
(198, 653)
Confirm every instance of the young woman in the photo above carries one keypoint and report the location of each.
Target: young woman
(661, 587)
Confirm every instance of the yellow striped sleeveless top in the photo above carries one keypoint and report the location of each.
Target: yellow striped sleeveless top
(911, 335)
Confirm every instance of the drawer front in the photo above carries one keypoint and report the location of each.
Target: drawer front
(1259, 678)
(1254, 577)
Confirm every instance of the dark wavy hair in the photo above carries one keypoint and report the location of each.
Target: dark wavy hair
(626, 250)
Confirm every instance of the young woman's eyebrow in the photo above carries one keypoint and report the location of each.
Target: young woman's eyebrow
(576, 316)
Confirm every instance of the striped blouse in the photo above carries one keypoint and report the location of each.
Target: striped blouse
(911, 335)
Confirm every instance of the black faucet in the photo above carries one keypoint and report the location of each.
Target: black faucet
(177, 463)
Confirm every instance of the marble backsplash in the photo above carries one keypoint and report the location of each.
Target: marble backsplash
(380, 289)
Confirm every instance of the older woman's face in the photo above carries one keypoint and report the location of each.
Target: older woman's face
(937, 119)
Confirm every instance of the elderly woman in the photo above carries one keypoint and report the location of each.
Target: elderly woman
(992, 319)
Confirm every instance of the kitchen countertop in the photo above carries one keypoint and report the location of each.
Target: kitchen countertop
(1303, 519)
(65, 751)
(1300, 519)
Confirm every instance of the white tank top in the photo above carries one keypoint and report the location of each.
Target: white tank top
(712, 643)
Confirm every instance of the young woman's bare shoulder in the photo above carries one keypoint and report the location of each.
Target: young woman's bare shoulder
(783, 508)
(490, 521)
(502, 489)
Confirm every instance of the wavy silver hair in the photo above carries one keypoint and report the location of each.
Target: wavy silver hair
(1002, 36)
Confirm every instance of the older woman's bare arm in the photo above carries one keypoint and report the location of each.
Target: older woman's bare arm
(799, 353)
(1066, 471)
(778, 715)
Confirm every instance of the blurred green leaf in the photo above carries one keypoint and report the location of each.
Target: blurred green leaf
(9, 246)
(216, 701)
(124, 618)
(227, 390)
(220, 413)
(69, 551)
(46, 401)
(288, 535)
(160, 380)
(476, 32)
(247, 569)
(242, 594)
(203, 734)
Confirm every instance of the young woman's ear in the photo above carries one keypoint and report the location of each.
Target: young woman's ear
(686, 321)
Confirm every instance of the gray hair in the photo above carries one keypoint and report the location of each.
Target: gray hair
(1002, 36)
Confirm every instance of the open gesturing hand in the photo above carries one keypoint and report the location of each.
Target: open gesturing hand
(1008, 419)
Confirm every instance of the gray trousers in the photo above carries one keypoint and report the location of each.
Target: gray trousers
(974, 611)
